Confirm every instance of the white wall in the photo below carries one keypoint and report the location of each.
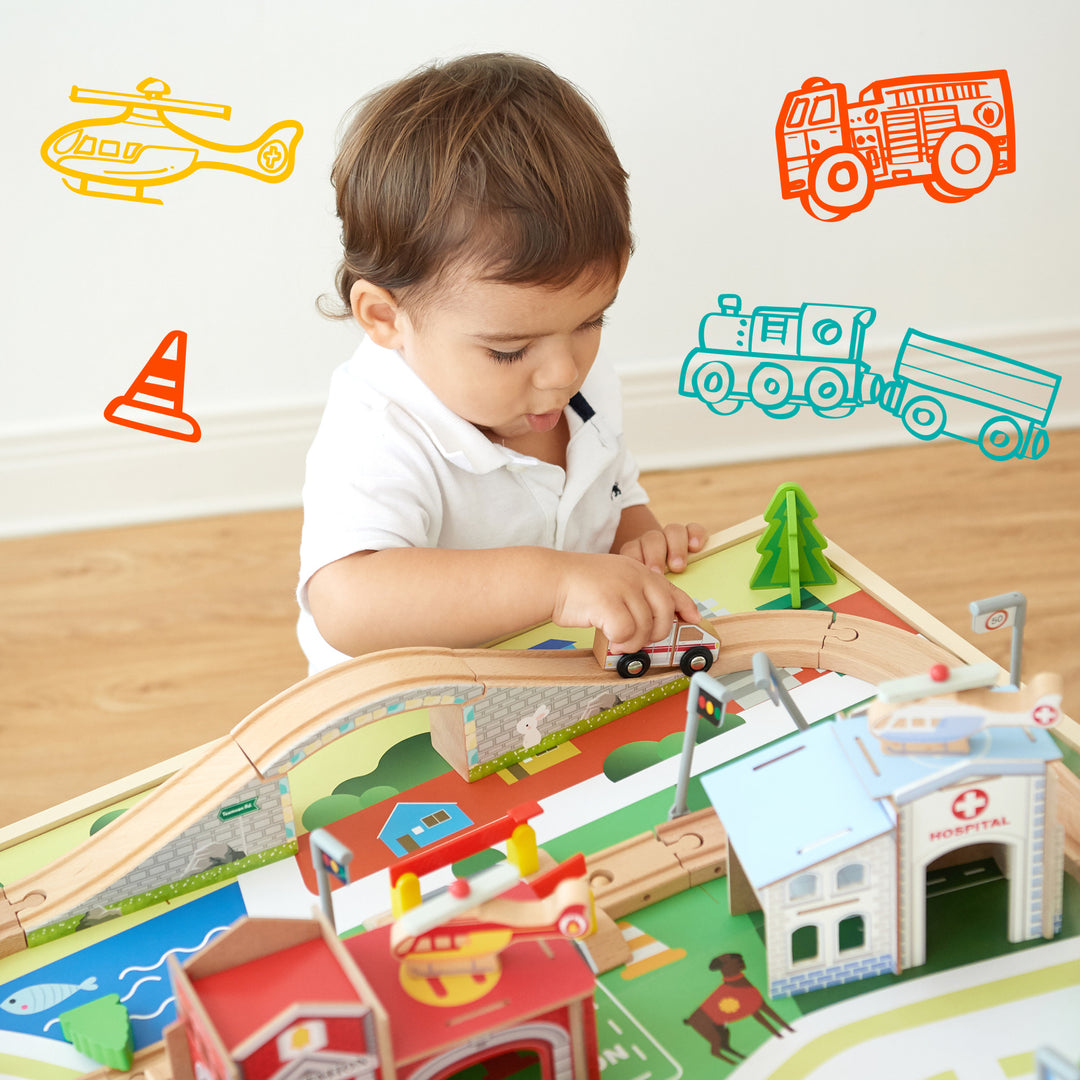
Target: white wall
(690, 91)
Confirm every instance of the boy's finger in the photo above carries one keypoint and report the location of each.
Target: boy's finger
(654, 550)
(632, 550)
(677, 541)
(685, 607)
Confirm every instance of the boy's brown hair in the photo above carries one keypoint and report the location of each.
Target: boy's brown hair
(492, 158)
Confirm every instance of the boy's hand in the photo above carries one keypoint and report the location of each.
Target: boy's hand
(621, 596)
(666, 548)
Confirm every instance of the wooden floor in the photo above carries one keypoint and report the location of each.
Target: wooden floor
(122, 647)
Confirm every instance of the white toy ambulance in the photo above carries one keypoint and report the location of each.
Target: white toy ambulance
(689, 647)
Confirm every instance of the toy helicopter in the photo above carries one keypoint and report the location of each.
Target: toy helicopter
(939, 712)
(118, 157)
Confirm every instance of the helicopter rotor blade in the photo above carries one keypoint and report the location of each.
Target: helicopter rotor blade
(162, 102)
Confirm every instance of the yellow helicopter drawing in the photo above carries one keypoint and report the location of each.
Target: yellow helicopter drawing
(119, 157)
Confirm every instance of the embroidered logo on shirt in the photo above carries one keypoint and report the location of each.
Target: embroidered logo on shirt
(616, 491)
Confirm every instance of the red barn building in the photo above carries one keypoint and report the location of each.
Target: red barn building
(276, 999)
(284, 999)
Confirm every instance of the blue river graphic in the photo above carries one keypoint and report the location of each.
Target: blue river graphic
(132, 964)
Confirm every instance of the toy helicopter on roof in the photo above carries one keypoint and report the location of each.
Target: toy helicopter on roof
(940, 711)
(119, 157)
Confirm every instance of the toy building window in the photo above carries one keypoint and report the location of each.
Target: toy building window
(435, 819)
(804, 944)
(851, 933)
(850, 876)
(803, 887)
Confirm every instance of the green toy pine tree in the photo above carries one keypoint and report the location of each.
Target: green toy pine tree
(791, 546)
(101, 1029)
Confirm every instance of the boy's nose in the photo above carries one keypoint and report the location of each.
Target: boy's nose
(559, 369)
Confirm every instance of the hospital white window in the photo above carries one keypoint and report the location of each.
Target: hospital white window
(803, 887)
(850, 933)
(850, 876)
(804, 944)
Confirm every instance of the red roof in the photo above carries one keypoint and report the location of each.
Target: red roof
(242, 999)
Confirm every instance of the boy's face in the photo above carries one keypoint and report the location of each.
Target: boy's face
(508, 358)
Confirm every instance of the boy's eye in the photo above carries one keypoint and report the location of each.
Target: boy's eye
(517, 354)
(507, 357)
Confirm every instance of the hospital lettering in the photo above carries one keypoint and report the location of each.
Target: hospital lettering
(970, 827)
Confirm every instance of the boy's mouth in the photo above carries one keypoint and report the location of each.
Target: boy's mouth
(544, 421)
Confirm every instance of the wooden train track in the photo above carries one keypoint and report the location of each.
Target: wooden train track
(864, 648)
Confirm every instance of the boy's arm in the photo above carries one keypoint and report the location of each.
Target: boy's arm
(433, 596)
(641, 537)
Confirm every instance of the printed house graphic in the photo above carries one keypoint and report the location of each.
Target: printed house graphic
(412, 826)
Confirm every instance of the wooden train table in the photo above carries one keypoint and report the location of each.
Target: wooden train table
(98, 894)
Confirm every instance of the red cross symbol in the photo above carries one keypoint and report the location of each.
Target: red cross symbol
(971, 804)
(1044, 715)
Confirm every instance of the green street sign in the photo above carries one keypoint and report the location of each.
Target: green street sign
(227, 813)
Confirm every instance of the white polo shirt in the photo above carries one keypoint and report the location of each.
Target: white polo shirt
(391, 467)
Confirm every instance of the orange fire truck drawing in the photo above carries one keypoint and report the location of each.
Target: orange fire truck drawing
(951, 133)
(690, 647)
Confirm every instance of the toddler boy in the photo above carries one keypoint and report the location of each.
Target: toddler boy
(469, 477)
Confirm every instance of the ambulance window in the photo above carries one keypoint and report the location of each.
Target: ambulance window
(798, 112)
(822, 113)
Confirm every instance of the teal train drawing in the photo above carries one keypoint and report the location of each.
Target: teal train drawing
(783, 359)
(942, 387)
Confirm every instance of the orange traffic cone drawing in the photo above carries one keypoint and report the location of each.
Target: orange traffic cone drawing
(154, 402)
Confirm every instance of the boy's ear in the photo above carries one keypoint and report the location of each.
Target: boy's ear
(378, 313)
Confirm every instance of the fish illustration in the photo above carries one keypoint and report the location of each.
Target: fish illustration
(42, 996)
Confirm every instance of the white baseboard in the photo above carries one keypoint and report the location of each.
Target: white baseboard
(100, 474)
(93, 476)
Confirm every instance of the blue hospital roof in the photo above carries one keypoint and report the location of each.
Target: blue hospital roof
(794, 803)
(819, 792)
